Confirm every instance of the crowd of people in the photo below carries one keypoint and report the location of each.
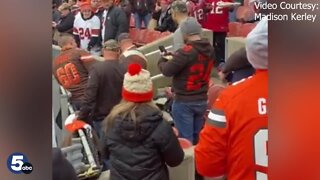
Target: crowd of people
(115, 96)
(87, 19)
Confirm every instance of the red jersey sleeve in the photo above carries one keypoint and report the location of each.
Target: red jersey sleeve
(211, 151)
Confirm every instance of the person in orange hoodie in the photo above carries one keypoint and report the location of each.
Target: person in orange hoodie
(233, 143)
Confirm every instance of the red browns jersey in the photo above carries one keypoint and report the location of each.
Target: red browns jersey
(71, 69)
(217, 19)
(196, 10)
(234, 141)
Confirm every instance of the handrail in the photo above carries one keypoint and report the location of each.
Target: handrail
(157, 51)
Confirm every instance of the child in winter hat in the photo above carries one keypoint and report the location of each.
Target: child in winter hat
(139, 142)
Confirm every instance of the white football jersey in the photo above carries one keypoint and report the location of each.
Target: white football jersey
(86, 29)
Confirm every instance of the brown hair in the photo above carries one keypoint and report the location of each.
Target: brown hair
(126, 108)
(64, 39)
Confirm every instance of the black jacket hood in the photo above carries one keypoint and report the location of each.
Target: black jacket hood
(148, 119)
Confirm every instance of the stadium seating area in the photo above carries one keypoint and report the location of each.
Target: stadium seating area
(144, 36)
(242, 28)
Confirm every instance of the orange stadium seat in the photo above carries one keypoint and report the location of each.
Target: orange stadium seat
(133, 34)
(244, 13)
(132, 22)
(184, 143)
(164, 34)
(141, 36)
(234, 29)
(152, 36)
(246, 29)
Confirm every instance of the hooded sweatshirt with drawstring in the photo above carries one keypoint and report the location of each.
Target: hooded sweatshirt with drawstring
(190, 67)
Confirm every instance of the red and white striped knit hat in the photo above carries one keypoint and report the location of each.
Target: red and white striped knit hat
(137, 84)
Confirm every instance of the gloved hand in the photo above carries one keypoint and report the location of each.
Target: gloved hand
(72, 124)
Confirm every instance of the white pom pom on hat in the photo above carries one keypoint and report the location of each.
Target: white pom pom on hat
(137, 84)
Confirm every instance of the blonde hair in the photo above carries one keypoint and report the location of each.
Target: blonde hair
(64, 6)
(124, 109)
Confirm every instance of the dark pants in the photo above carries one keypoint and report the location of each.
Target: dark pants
(188, 118)
(76, 105)
(219, 43)
(98, 127)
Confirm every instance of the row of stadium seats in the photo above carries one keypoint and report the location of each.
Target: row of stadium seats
(244, 14)
(241, 28)
(237, 29)
(145, 36)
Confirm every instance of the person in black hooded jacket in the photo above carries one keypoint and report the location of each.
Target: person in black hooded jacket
(139, 142)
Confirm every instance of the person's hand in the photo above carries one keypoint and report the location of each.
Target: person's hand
(54, 24)
(168, 57)
(164, 54)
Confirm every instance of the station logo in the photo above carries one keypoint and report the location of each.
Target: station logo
(18, 163)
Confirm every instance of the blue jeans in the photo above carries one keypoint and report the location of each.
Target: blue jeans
(189, 118)
(138, 19)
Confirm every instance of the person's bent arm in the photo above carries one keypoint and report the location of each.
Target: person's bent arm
(169, 145)
(66, 25)
(237, 60)
(175, 65)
